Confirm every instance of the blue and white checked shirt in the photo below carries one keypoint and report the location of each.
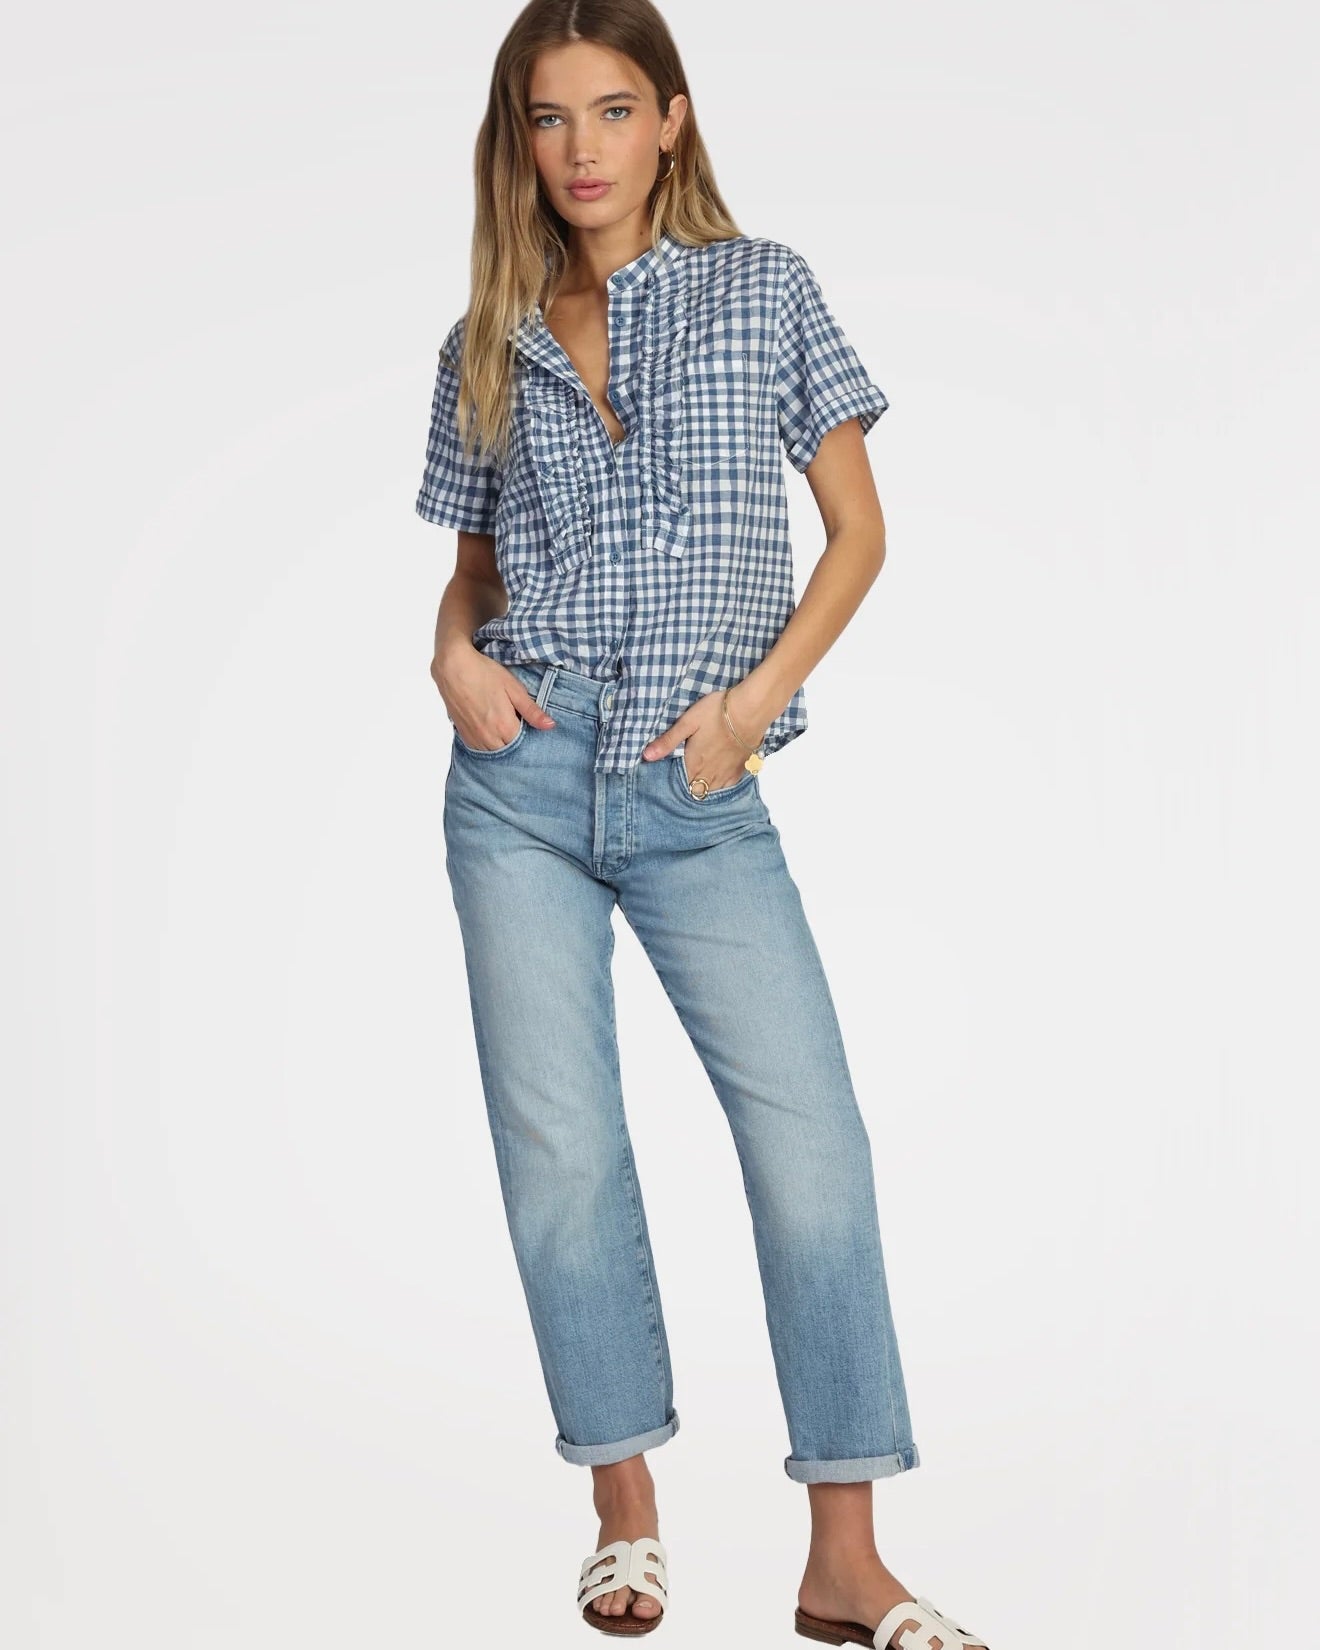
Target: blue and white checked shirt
(663, 563)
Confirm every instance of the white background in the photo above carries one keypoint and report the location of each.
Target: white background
(267, 1375)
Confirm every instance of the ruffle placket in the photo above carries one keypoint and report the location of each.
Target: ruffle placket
(557, 414)
(667, 516)
(554, 412)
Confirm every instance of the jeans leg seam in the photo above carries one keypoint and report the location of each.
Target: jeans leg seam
(846, 1070)
(504, 1171)
(634, 1196)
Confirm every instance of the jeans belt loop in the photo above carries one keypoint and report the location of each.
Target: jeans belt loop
(547, 682)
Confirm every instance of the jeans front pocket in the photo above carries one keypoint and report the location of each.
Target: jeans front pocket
(681, 778)
(500, 750)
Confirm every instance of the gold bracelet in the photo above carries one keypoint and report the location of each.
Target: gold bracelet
(755, 762)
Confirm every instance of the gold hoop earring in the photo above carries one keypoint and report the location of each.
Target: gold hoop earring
(673, 161)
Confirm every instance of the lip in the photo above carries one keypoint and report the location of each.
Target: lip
(588, 188)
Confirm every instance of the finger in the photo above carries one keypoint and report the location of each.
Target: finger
(673, 735)
(528, 708)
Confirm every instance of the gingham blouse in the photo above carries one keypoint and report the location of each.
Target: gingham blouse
(662, 563)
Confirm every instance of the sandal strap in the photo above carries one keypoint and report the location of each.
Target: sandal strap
(628, 1563)
(933, 1628)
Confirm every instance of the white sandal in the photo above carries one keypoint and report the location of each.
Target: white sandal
(628, 1563)
(933, 1631)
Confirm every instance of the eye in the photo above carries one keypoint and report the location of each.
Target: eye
(617, 108)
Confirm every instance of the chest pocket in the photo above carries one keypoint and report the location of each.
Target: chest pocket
(719, 414)
(719, 422)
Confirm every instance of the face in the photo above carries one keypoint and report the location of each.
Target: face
(593, 117)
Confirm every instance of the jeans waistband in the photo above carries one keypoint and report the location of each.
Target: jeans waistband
(554, 685)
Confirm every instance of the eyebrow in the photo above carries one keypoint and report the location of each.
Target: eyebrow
(609, 97)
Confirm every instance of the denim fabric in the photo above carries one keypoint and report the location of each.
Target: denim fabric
(663, 564)
(540, 847)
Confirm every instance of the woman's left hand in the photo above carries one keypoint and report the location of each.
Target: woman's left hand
(711, 753)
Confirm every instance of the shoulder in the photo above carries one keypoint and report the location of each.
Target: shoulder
(763, 280)
(754, 260)
(451, 350)
(743, 287)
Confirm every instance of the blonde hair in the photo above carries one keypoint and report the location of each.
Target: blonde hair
(519, 240)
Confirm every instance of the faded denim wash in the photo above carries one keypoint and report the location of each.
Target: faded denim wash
(540, 847)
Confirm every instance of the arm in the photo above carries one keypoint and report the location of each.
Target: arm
(474, 594)
(482, 697)
(844, 489)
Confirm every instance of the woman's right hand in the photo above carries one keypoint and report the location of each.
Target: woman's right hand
(484, 699)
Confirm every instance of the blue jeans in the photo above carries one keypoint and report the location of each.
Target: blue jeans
(539, 849)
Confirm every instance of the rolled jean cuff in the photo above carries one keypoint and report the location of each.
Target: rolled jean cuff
(851, 1471)
(600, 1455)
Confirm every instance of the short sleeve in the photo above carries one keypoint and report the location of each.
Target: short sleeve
(819, 381)
(457, 490)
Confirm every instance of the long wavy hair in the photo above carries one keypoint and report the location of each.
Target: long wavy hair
(519, 240)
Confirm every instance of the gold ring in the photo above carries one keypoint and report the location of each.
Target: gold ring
(705, 787)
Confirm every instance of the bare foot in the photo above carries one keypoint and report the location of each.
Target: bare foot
(857, 1588)
(627, 1512)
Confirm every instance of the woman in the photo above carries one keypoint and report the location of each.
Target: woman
(617, 650)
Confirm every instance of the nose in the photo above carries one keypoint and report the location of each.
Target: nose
(582, 150)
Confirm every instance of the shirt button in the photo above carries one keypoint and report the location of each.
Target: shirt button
(615, 556)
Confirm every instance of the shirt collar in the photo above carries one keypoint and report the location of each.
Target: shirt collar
(644, 265)
(533, 337)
